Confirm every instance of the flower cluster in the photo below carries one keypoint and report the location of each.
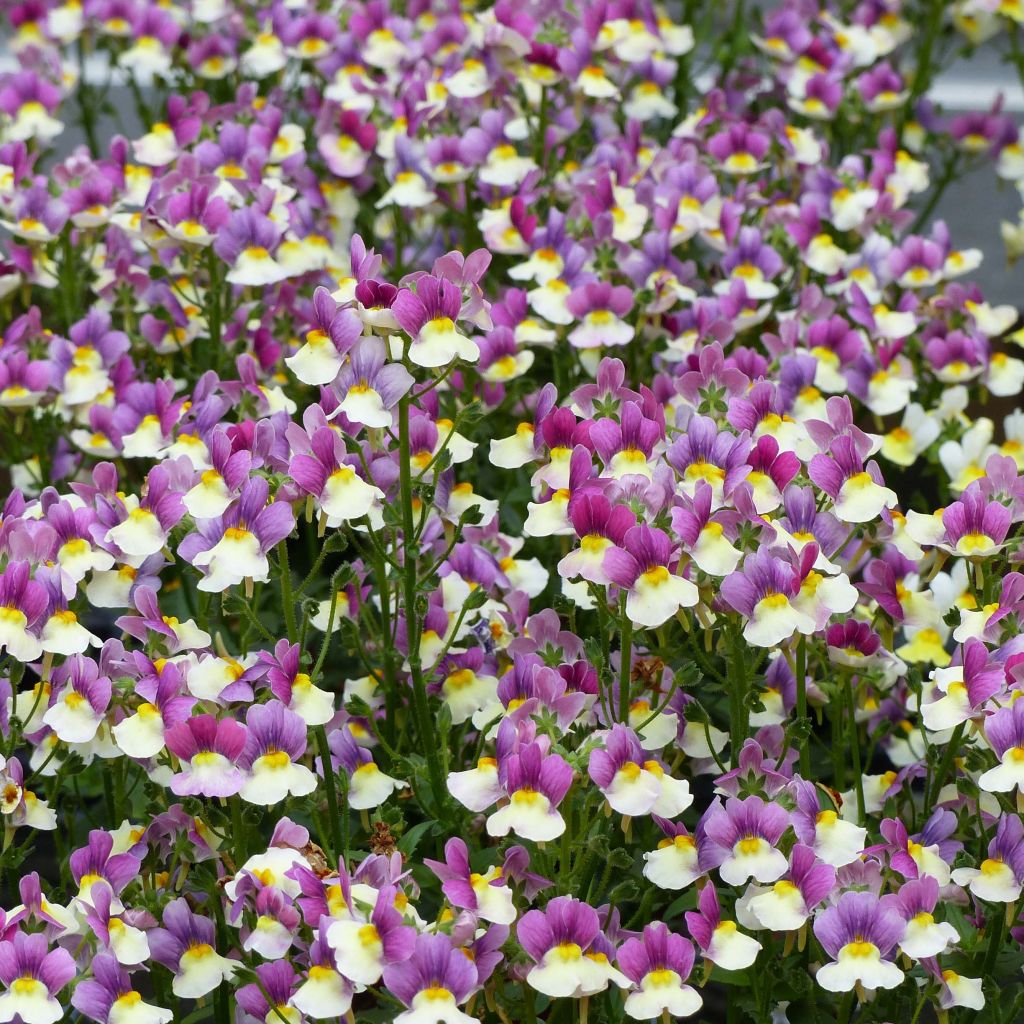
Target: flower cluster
(498, 529)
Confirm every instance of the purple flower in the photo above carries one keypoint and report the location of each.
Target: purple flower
(703, 454)
(915, 903)
(833, 840)
(961, 692)
(860, 933)
(364, 949)
(432, 982)
(23, 603)
(96, 862)
(369, 387)
(33, 974)
(658, 964)
(1000, 877)
(334, 333)
(127, 943)
(109, 994)
(275, 989)
(928, 852)
(428, 316)
(1004, 730)
(752, 263)
(23, 382)
(743, 837)
(563, 942)
(535, 783)
(185, 946)
(973, 526)
(755, 769)
(739, 149)
(487, 895)
(626, 446)
(720, 940)
(275, 742)
(209, 751)
(633, 784)
(641, 568)
(246, 242)
(601, 308)
(143, 532)
(765, 592)
(787, 905)
(77, 709)
(330, 476)
(859, 494)
(917, 263)
(234, 546)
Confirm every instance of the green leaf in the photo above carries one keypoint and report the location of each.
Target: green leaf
(408, 843)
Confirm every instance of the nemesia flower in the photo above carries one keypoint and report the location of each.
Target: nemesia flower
(129, 944)
(924, 936)
(33, 975)
(96, 864)
(428, 316)
(859, 493)
(834, 841)
(185, 945)
(1000, 876)
(234, 546)
(561, 940)
(76, 711)
(535, 783)
(369, 389)
(368, 785)
(324, 993)
(744, 835)
(641, 568)
(275, 740)
(658, 963)
(432, 982)
(632, 785)
(928, 852)
(108, 995)
(721, 942)
(365, 947)
(209, 751)
(1004, 730)
(327, 474)
(332, 337)
(764, 592)
(600, 308)
(965, 689)
(487, 894)
(22, 606)
(788, 904)
(859, 933)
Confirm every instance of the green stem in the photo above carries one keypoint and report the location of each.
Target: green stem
(854, 743)
(736, 665)
(286, 590)
(238, 831)
(938, 191)
(108, 793)
(801, 704)
(993, 942)
(425, 724)
(625, 659)
(945, 765)
(924, 69)
(340, 849)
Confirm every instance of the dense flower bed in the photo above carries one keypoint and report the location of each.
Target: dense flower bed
(513, 514)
